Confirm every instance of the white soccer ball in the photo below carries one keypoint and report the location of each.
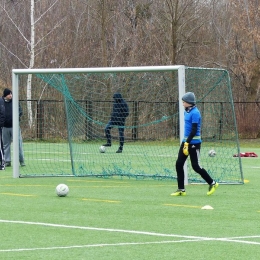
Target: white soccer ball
(212, 153)
(102, 149)
(62, 190)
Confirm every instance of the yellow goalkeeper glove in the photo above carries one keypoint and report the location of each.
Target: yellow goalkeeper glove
(186, 149)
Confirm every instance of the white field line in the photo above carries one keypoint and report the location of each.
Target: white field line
(95, 245)
(187, 238)
(237, 241)
(102, 229)
(129, 154)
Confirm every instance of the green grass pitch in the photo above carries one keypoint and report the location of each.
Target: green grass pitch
(121, 218)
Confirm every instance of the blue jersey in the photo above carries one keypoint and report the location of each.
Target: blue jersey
(193, 116)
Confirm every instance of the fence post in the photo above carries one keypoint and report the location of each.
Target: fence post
(221, 121)
(40, 119)
(135, 120)
(89, 112)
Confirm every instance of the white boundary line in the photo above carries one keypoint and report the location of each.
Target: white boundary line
(187, 238)
(101, 229)
(94, 245)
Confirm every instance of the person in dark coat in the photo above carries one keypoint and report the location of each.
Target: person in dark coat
(2, 121)
(7, 132)
(119, 114)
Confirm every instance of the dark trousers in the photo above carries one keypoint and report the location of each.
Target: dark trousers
(194, 153)
(121, 130)
(2, 154)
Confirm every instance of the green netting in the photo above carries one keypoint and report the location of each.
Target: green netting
(73, 110)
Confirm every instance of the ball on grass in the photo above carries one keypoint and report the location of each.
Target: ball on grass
(62, 190)
(102, 149)
(212, 153)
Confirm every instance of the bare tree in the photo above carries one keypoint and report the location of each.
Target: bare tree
(95, 33)
(179, 23)
(245, 45)
(31, 45)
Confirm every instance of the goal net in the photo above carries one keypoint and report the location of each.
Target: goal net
(63, 124)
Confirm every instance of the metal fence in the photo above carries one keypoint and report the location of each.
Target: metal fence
(49, 120)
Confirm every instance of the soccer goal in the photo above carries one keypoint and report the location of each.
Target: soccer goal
(64, 121)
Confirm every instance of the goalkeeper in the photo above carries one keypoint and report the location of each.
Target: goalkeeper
(119, 114)
(191, 146)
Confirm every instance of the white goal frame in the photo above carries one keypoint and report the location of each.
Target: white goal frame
(15, 90)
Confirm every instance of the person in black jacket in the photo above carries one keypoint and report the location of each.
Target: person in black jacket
(2, 121)
(119, 114)
(7, 132)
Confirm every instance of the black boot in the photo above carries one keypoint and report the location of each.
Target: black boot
(120, 149)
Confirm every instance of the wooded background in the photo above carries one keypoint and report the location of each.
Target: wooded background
(102, 33)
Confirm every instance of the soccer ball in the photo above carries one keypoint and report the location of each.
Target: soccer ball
(62, 190)
(102, 149)
(212, 153)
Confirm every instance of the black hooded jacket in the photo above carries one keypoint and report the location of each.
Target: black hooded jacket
(2, 111)
(9, 113)
(120, 110)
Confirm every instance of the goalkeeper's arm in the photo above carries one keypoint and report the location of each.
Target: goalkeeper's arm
(193, 132)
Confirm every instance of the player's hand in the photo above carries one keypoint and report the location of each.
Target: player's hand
(186, 149)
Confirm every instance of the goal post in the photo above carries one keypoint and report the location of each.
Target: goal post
(15, 104)
(71, 107)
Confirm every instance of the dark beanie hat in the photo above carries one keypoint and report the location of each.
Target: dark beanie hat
(6, 92)
(189, 97)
